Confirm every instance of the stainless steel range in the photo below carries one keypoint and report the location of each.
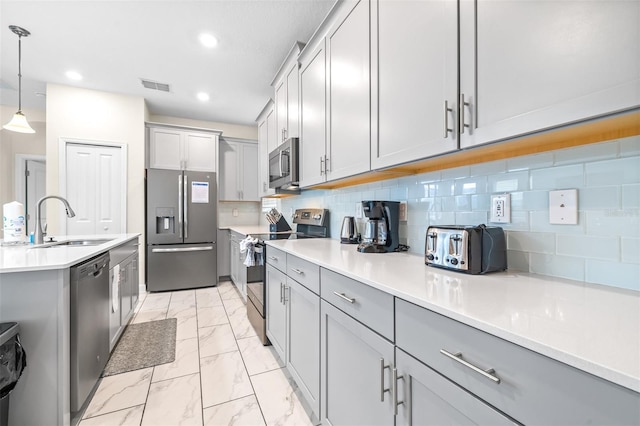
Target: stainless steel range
(310, 223)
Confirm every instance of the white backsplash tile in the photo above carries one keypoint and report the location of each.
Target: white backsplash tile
(613, 172)
(624, 275)
(592, 247)
(608, 200)
(558, 177)
(630, 250)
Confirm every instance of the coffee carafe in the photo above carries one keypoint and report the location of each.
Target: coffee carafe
(381, 232)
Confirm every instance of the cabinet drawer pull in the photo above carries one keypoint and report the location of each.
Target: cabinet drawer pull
(489, 373)
(273, 258)
(342, 296)
(281, 293)
(383, 390)
(297, 271)
(461, 122)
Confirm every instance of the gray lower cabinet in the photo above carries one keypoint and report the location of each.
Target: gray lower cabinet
(424, 397)
(355, 372)
(276, 281)
(123, 288)
(303, 343)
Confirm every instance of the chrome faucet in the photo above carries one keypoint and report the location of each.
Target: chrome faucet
(39, 235)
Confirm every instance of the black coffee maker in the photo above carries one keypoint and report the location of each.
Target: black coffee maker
(381, 232)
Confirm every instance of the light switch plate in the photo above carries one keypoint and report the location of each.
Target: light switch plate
(563, 207)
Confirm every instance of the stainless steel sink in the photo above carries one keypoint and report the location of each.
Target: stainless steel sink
(76, 243)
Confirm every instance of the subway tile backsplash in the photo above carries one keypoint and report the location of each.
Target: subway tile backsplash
(602, 248)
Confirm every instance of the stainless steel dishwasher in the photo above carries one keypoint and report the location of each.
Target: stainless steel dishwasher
(89, 326)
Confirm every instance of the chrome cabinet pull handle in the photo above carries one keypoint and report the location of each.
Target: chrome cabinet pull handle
(395, 391)
(326, 165)
(297, 271)
(281, 293)
(273, 258)
(488, 373)
(383, 390)
(447, 110)
(342, 296)
(321, 165)
(461, 122)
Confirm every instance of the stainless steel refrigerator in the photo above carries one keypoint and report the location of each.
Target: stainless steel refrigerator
(181, 229)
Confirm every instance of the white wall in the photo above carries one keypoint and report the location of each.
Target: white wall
(97, 116)
(12, 143)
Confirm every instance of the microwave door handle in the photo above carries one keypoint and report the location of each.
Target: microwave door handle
(280, 161)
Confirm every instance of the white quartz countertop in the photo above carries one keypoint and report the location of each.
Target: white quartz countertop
(249, 229)
(591, 327)
(25, 258)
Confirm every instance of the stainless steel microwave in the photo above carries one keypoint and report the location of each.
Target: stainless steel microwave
(283, 165)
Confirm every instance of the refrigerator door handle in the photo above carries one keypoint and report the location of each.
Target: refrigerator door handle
(186, 204)
(180, 197)
(178, 250)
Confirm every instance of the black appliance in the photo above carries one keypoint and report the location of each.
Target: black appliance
(471, 249)
(382, 229)
(310, 223)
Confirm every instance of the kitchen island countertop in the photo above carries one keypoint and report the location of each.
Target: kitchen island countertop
(30, 257)
(591, 327)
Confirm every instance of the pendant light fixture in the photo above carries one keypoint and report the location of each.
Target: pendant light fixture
(19, 122)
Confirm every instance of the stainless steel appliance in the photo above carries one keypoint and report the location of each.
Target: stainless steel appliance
(181, 229)
(381, 233)
(471, 249)
(89, 324)
(283, 166)
(310, 223)
(348, 232)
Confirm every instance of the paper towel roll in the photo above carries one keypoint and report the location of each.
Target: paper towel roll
(13, 222)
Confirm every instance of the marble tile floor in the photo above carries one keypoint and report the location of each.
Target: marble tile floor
(222, 375)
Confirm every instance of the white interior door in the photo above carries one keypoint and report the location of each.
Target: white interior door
(94, 182)
(36, 179)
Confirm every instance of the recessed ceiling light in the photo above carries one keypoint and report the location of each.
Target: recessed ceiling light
(73, 75)
(208, 40)
(204, 97)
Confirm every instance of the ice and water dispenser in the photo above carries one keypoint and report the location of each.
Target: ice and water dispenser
(165, 220)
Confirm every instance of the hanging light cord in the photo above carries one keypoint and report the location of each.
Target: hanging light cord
(19, 73)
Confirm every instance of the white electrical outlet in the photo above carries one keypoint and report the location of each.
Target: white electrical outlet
(359, 212)
(501, 208)
(403, 211)
(563, 207)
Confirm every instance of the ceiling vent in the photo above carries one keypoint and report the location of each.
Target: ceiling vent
(154, 85)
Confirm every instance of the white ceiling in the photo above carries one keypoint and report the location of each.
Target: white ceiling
(115, 43)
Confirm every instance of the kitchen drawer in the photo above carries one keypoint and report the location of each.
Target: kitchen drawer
(304, 272)
(532, 388)
(368, 305)
(277, 258)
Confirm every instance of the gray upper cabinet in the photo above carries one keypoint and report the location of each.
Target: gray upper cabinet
(238, 180)
(313, 121)
(335, 129)
(415, 65)
(287, 93)
(173, 148)
(266, 143)
(356, 372)
(540, 64)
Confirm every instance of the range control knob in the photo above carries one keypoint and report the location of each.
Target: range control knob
(454, 261)
(430, 256)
